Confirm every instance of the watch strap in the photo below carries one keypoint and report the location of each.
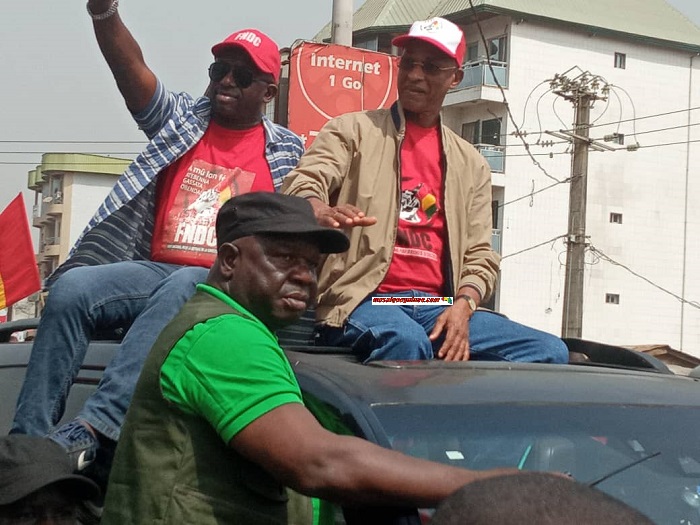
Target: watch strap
(470, 300)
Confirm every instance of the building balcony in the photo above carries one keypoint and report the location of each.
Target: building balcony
(54, 208)
(479, 74)
(494, 155)
(479, 83)
(496, 240)
(51, 247)
(36, 216)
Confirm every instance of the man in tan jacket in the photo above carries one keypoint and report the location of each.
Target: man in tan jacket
(416, 200)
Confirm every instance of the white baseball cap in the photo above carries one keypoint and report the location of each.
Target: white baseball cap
(441, 33)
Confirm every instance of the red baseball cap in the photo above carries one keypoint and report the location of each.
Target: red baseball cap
(441, 33)
(260, 47)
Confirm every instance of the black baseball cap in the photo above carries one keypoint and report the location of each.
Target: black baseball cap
(275, 213)
(29, 463)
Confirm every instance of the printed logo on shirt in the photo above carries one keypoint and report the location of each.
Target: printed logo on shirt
(418, 208)
(418, 205)
(191, 222)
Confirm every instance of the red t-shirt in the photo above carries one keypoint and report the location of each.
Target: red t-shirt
(224, 163)
(417, 260)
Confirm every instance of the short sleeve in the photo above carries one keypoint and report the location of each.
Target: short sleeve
(229, 370)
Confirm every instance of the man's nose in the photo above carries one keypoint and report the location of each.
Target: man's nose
(305, 272)
(417, 70)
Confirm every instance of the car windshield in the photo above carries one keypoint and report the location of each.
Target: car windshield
(589, 441)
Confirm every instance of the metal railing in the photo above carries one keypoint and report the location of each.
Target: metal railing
(478, 73)
(494, 155)
(50, 241)
(496, 240)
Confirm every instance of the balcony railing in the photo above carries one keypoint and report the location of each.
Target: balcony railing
(494, 155)
(478, 73)
(49, 243)
(496, 240)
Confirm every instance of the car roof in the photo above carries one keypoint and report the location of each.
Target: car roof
(478, 382)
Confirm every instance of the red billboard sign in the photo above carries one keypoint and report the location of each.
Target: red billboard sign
(327, 80)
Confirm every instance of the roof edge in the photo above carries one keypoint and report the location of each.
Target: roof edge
(597, 30)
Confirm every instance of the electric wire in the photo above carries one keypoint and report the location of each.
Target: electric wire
(655, 115)
(608, 259)
(634, 109)
(503, 93)
(550, 241)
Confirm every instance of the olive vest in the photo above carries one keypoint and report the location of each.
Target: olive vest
(172, 467)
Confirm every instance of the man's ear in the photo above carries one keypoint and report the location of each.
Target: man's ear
(270, 93)
(228, 255)
(459, 75)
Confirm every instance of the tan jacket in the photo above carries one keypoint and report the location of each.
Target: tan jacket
(355, 160)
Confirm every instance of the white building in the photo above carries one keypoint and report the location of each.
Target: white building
(68, 188)
(642, 211)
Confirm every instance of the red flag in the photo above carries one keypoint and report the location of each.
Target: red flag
(19, 275)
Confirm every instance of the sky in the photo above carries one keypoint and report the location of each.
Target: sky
(58, 94)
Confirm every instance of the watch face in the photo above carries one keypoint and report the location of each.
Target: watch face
(469, 299)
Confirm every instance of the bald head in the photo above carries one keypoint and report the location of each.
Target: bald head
(533, 497)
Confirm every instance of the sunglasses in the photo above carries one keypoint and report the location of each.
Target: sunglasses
(243, 76)
(407, 64)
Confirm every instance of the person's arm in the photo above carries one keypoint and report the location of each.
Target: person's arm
(479, 269)
(291, 445)
(321, 172)
(135, 80)
(479, 261)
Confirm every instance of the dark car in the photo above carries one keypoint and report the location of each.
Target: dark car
(617, 419)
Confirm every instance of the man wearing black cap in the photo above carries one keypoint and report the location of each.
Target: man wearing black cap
(37, 484)
(417, 198)
(217, 425)
(152, 240)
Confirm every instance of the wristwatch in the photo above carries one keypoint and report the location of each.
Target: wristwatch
(470, 300)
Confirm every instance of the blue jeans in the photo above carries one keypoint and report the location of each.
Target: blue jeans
(141, 296)
(400, 332)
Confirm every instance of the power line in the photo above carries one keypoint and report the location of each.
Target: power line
(550, 154)
(683, 126)
(72, 141)
(550, 241)
(603, 256)
(503, 93)
(532, 193)
(642, 118)
(101, 153)
(669, 144)
(634, 109)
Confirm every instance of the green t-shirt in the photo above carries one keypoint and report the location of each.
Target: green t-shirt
(230, 370)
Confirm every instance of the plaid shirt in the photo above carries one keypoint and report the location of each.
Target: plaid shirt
(122, 227)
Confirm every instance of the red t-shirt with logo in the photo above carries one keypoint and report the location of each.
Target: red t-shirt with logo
(417, 260)
(224, 163)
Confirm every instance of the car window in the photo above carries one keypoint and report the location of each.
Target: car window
(587, 441)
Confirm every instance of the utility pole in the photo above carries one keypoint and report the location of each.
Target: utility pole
(582, 91)
(341, 24)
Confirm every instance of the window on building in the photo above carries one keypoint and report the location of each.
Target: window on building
(497, 49)
(612, 298)
(620, 60)
(616, 218)
(371, 44)
(483, 131)
(473, 52)
(56, 189)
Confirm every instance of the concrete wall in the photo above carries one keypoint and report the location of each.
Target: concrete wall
(83, 194)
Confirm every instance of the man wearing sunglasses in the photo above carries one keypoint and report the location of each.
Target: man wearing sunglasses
(417, 198)
(153, 239)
